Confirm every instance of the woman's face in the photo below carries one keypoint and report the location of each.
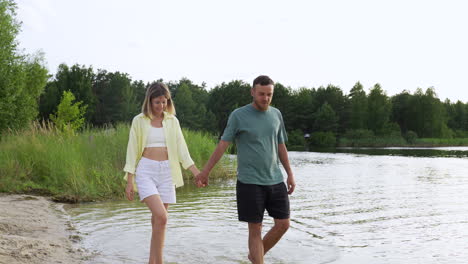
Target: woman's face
(158, 105)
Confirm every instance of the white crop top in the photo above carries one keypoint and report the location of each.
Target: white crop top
(156, 137)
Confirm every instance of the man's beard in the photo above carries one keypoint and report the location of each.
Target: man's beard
(261, 106)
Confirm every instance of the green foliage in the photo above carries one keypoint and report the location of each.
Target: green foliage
(226, 97)
(359, 134)
(358, 107)
(296, 140)
(22, 77)
(76, 79)
(427, 116)
(457, 116)
(322, 139)
(185, 106)
(379, 108)
(70, 115)
(116, 97)
(190, 101)
(411, 137)
(303, 104)
(437, 142)
(325, 119)
(332, 95)
(391, 129)
(460, 134)
(282, 99)
(401, 110)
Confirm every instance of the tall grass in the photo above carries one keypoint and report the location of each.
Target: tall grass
(84, 166)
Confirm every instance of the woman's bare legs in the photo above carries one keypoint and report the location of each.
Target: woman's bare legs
(158, 221)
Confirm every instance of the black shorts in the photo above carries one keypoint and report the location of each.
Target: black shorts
(252, 200)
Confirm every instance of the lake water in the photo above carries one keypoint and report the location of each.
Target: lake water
(361, 206)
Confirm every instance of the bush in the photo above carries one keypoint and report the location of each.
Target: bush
(391, 130)
(296, 138)
(322, 139)
(411, 137)
(358, 134)
(460, 134)
(70, 115)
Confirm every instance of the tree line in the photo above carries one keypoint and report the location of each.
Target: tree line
(113, 97)
(28, 92)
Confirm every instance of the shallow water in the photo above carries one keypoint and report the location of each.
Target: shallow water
(348, 208)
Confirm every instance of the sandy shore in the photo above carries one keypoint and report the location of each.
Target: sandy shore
(35, 230)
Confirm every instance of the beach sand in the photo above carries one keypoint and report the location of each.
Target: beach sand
(34, 229)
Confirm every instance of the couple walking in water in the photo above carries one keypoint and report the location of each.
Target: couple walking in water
(156, 150)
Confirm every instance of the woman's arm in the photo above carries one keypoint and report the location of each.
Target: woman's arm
(195, 171)
(129, 189)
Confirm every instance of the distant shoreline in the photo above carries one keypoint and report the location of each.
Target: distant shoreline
(35, 230)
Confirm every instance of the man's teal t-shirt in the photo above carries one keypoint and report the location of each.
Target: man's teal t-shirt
(257, 135)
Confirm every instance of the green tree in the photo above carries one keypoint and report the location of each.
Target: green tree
(358, 107)
(185, 107)
(77, 79)
(401, 110)
(428, 115)
(379, 107)
(115, 98)
(226, 97)
(70, 115)
(460, 117)
(140, 92)
(303, 104)
(22, 77)
(282, 99)
(333, 95)
(325, 119)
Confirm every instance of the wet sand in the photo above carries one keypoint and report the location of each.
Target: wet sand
(34, 230)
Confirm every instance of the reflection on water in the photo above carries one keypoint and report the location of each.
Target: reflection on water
(348, 208)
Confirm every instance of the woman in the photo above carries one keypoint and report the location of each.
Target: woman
(155, 148)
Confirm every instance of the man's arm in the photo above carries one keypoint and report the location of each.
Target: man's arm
(202, 177)
(283, 155)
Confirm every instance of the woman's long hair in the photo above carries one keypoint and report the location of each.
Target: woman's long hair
(156, 90)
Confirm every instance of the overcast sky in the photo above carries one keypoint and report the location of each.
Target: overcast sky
(401, 44)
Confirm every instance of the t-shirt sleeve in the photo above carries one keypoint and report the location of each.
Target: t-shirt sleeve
(282, 135)
(231, 128)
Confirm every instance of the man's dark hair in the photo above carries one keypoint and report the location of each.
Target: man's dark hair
(262, 80)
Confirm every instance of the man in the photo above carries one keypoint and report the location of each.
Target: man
(260, 137)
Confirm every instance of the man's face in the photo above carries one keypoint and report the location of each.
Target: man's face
(262, 95)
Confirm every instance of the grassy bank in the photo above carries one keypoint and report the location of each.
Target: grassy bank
(82, 167)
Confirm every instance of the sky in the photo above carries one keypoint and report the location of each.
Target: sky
(400, 44)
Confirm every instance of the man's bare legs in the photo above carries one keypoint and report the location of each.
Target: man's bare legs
(258, 247)
(275, 234)
(256, 251)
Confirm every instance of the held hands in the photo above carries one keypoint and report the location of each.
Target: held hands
(291, 183)
(201, 180)
(196, 174)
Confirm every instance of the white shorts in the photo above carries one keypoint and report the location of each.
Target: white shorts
(154, 177)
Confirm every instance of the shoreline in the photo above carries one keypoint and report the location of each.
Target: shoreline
(34, 229)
